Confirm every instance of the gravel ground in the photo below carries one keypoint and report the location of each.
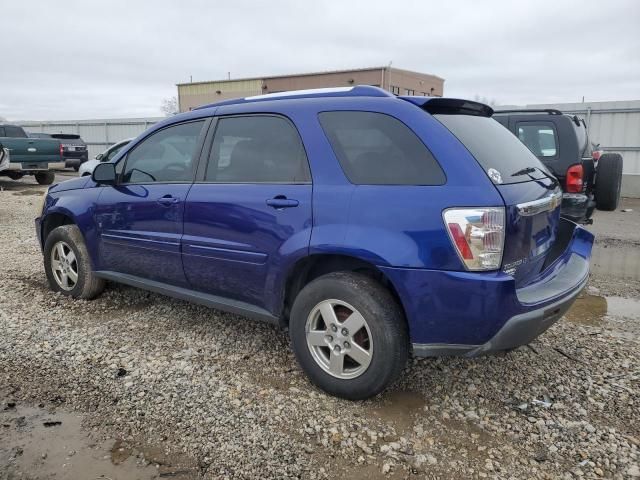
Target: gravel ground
(196, 393)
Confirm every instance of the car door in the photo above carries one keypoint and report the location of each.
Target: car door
(248, 217)
(140, 219)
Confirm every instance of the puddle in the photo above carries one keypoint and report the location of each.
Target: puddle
(37, 443)
(588, 310)
(616, 259)
(399, 409)
(620, 316)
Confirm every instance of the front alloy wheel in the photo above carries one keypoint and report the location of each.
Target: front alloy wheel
(64, 266)
(339, 339)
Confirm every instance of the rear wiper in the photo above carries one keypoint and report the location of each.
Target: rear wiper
(529, 170)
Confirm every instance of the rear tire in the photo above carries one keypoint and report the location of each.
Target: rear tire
(608, 181)
(68, 265)
(45, 178)
(378, 340)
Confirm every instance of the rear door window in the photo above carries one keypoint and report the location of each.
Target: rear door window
(377, 149)
(540, 138)
(503, 157)
(257, 149)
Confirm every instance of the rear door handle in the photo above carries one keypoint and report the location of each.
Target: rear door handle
(168, 200)
(281, 202)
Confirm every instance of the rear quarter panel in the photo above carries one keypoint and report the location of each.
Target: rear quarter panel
(392, 225)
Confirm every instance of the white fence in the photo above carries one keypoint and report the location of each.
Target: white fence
(98, 134)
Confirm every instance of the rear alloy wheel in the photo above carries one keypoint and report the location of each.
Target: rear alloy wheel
(339, 339)
(349, 335)
(608, 181)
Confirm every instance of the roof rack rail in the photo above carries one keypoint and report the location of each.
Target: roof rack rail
(355, 91)
(550, 111)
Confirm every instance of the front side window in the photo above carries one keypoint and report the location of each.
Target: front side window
(377, 149)
(257, 149)
(539, 138)
(165, 156)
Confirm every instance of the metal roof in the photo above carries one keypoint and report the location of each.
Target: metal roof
(326, 72)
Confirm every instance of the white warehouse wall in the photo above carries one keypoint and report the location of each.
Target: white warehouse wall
(98, 134)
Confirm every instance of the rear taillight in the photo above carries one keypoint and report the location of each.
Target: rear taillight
(61, 150)
(477, 235)
(574, 179)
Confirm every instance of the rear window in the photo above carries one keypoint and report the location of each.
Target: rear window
(540, 138)
(504, 158)
(377, 149)
(14, 132)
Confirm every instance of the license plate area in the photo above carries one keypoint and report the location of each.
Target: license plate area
(35, 166)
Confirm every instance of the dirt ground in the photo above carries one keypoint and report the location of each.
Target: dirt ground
(134, 385)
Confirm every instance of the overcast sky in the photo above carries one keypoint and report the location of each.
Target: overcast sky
(105, 59)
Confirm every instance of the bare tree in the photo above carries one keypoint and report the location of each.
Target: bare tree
(169, 106)
(487, 101)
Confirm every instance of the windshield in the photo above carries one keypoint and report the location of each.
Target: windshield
(504, 158)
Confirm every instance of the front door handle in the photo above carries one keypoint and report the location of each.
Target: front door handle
(168, 200)
(279, 202)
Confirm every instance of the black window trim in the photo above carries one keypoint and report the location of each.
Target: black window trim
(444, 173)
(201, 174)
(556, 138)
(195, 156)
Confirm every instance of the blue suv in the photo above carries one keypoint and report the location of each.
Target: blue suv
(368, 225)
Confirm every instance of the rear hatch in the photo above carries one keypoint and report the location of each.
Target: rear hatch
(531, 194)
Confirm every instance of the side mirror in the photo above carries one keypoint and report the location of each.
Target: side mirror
(99, 156)
(104, 174)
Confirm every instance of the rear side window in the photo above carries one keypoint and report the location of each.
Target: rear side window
(14, 132)
(540, 138)
(503, 157)
(257, 149)
(377, 149)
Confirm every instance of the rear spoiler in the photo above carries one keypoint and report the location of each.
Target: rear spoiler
(450, 106)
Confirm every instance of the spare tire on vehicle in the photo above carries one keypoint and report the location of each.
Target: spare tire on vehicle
(45, 178)
(608, 181)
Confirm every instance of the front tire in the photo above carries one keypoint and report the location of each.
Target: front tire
(45, 178)
(349, 335)
(68, 266)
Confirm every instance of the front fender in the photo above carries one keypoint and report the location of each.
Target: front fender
(78, 205)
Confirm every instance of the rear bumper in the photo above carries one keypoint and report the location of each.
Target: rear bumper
(470, 314)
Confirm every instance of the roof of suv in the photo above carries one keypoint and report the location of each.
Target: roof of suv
(430, 104)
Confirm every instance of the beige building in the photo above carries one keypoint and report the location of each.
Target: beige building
(395, 80)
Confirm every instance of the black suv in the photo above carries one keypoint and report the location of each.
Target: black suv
(589, 179)
(73, 149)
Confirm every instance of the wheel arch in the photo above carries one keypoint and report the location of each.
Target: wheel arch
(311, 267)
(54, 220)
